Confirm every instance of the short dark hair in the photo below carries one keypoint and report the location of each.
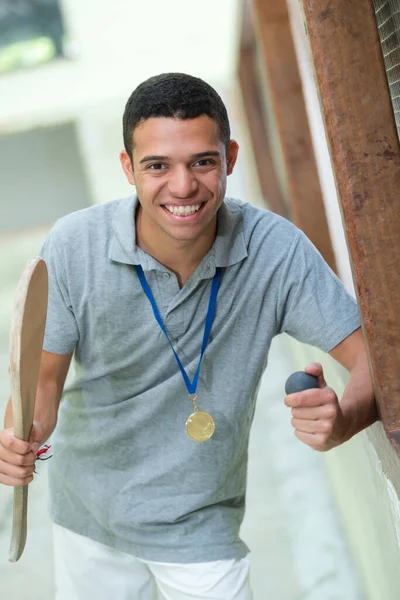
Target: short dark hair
(174, 95)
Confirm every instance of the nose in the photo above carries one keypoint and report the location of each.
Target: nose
(182, 183)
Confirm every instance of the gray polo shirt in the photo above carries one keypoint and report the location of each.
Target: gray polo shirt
(124, 471)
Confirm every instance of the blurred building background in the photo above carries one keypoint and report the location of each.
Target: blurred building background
(321, 527)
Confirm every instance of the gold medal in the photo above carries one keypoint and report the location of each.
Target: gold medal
(200, 425)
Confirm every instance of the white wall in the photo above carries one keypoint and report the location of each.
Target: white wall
(115, 45)
(41, 177)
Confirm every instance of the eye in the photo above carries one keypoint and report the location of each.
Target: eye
(156, 167)
(204, 162)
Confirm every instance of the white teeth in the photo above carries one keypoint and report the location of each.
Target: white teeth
(183, 210)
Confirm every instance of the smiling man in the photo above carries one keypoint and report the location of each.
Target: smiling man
(169, 300)
(179, 168)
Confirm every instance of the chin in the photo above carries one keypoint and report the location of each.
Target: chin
(184, 236)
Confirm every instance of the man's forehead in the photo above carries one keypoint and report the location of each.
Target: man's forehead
(164, 129)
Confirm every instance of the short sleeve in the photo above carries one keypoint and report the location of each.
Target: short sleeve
(61, 334)
(314, 307)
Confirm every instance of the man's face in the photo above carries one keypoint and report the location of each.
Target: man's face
(179, 170)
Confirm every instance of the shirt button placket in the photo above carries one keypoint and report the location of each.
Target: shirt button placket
(174, 322)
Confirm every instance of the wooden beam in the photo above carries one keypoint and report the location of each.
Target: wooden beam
(247, 40)
(251, 95)
(274, 36)
(365, 153)
(253, 103)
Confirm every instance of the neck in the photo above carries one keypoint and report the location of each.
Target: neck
(182, 257)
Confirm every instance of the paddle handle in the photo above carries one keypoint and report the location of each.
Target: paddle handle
(20, 501)
(19, 523)
(300, 381)
(20, 508)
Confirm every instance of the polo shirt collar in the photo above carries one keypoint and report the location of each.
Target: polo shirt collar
(228, 249)
(229, 245)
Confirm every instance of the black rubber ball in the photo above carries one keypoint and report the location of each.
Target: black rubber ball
(300, 381)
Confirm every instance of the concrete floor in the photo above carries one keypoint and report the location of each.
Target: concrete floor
(298, 550)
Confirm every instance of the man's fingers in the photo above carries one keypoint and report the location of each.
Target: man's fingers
(10, 442)
(326, 411)
(314, 440)
(317, 426)
(14, 482)
(310, 398)
(21, 460)
(15, 471)
(17, 459)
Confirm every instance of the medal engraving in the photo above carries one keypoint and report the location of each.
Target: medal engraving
(200, 426)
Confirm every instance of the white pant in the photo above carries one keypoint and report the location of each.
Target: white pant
(87, 569)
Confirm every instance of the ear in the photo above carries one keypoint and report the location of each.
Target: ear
(127, 166)
(231, 156)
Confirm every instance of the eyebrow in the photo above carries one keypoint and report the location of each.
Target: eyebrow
(198, 155)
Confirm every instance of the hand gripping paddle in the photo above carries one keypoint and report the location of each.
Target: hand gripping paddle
(26, 342)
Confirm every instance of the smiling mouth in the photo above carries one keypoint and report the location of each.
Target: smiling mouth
(183, 211)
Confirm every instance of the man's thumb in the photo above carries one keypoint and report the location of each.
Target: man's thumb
(318, 372)
(37, 434)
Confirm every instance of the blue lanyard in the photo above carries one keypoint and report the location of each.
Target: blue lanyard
(191, 386)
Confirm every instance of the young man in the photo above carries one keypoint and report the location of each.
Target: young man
(148, 477)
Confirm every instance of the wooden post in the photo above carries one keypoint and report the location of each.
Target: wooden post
(365, 152)
(253, 104)
(274, 36)
(258, 133)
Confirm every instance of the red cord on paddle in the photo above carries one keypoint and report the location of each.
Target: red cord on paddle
(43, 451)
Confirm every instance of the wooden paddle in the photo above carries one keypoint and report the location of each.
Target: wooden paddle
(26, 342)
